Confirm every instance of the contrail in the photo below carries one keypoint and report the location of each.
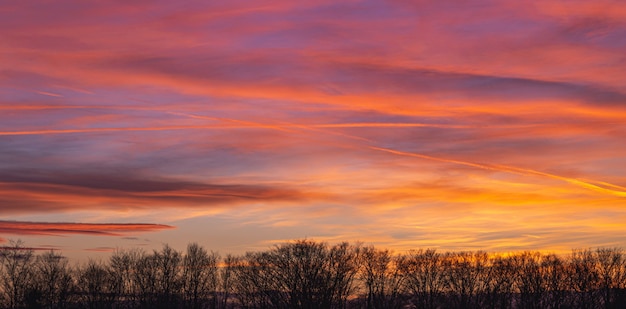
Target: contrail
(516, 170)
(122, 129)
(41, 107)
(280, 127)
(606, 184)
(605, 188)
(240, 123)
(49, 94)
(357, 124)
(390, 125)
(598, 186)
(574, 181)
(423, 156)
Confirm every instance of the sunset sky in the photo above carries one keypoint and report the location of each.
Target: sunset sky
(456, 125)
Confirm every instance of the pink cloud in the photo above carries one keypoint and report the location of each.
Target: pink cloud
(70, 228)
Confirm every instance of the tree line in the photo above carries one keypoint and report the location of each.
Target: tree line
(310, 274)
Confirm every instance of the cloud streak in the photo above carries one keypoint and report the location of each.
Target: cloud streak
(252, 126)
(449, 124)
(26, 191)
(601, 187)
(70, 228)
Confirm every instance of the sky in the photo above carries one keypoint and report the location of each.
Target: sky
(454, 125)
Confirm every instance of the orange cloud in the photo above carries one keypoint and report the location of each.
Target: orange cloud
(599, 186)
(405, 122)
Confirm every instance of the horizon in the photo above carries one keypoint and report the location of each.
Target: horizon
(105, 255)
(483, 125)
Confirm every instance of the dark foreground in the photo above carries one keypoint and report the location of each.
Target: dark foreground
(309, 274)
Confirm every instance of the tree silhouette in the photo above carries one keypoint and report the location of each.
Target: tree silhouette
(425, 279)
(302, 274)
(556, 281)
(199, 277)
(96, 286)
(309, 274)
(611, 272)
(54, 281)
(17, 279)
(123, 267)
(584, 278)
(529, 280)
(383, 278)
(501, 286)
(226, 280)
(467, 279)
(159, 279)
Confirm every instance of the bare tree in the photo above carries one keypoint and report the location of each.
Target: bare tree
(425, 277)
(501, 282)
(199, 277)
(554, 271)
(55, 280)
(158, 278)
(302, 274)
(226, 280)
(467, 277)
(610, 268)
(122, 264)
(309, 274)
(301, 270)
(342, 269)
(145, 281)
(17, 265)
(529, 279)
(96, 286)
(584, 278)
(383, 279)
(251, 281)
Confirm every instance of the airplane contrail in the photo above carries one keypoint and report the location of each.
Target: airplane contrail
(241, 123)
(358, 124)
(517, 170)
(598, 186)
(121, 129)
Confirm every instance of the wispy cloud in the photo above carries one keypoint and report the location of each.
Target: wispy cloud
(70, 228)
(404, 123)
(32, 191)
(101, 249)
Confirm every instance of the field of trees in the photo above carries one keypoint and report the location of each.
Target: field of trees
(309, 274)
